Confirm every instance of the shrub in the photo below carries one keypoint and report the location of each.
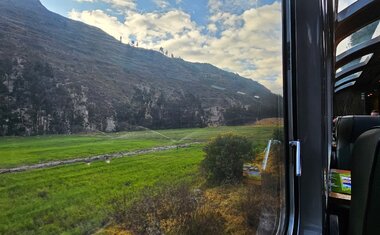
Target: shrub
(203, 221)
(224, 159)
(278, 134)
(159, 210)
(251, 206)
(175, 209)
(261, 206)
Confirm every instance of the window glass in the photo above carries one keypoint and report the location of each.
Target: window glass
(345, 86)
(141, 117)
(343, 4)
(364, 59)
(364, 34)
(348, 78)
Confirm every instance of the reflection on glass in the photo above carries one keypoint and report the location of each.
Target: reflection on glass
(364, 59)
(364, 34)
(343, 4)
(345, 86)
(348, 78)
(141, 117)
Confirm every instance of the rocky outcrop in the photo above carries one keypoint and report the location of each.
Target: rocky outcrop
(62, 76)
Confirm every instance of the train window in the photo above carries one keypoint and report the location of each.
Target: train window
(355, 107)
(343, 4)
(349, 84)
(348, 78)
(364, 34)
(142, 117)
(362, 60)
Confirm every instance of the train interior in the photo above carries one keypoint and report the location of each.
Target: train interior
(354, 205)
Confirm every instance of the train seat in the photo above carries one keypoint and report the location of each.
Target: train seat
(348, 129)
(365, 181)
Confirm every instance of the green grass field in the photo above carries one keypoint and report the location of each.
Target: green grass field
(75, 199)
(16, 151)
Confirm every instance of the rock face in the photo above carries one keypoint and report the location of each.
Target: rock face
(62, 76)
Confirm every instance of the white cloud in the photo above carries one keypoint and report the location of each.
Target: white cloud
(85, 0)
(122, 4)
(212, 28)
(162, 3)
(231, 6)
(248, 43)
(101, 20)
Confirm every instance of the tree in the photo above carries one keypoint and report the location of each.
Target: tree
(224, 158)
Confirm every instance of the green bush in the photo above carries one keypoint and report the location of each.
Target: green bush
(224, 159)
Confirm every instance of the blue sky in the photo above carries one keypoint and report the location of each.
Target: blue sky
(198, 9)
(241, 36)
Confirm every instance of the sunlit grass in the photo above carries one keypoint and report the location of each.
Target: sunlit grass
(16, 151)
(75, 198)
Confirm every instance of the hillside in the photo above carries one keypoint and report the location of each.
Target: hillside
(62, 76)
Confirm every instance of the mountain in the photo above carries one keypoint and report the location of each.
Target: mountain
(62, 76)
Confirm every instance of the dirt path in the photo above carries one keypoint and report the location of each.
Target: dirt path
(94, 158)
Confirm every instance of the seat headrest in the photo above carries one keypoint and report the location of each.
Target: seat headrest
(350, 128)
(365, 175)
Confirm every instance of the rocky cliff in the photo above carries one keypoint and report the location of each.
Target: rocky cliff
(62, 76)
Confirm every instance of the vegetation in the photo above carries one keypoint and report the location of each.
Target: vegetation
(58, 84)
(171, 209)
(83, 198)
(113, 88)
(224, 158)
(183, 209)
(76, 199)
(240, 115)
(15, 151)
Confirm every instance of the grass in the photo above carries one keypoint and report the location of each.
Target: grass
(74, 199)
(16, 151)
